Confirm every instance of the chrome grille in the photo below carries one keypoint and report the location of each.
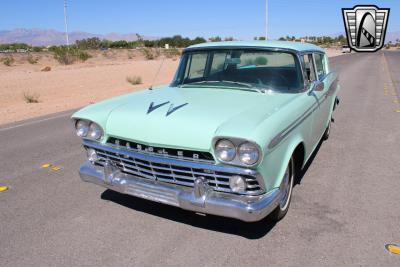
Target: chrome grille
(172, 173)
(182, 154)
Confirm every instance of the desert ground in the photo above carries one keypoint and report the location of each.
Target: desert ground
(67, 87)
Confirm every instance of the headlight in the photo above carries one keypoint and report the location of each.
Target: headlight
(82, 128)
(237, 184)
(95, 131)
(248, 153)
(225, 150)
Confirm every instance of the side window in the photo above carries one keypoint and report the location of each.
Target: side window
(218, 62)
(196, 66)
(320, 65)
(309, 68)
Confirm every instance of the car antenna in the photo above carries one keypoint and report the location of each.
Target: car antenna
(155, 76)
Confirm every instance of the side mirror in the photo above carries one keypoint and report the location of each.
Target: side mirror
(317, 86)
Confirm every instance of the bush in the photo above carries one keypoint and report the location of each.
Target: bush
(31, 97)
(83, 55)
(148, 54)
(260, 61)
(32, 60)
(37, 49)
(134, 80)
(172, 53)
(68, 55)
(8, 61)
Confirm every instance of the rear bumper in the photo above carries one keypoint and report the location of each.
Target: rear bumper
(244, 208)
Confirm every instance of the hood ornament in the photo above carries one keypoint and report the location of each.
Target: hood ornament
(152, 107)
(171, 109)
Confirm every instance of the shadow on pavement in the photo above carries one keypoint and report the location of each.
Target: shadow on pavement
(254, 230)
(214, 223)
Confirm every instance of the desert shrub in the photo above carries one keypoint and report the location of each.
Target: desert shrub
(83, 55)
(260, 61)
(8, 60)
(37, 49)
(89, 43)
(31, 97)
(63, 54)
(173, 52)
(134, 80)
(148, 54)
(32, 60)
(68, 55)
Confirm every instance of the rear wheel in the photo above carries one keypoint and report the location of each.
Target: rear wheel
(286, 189)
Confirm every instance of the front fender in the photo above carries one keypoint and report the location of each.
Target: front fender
(276, 161)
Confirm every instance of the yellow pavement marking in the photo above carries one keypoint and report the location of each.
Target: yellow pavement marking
(398, 111)
(396, 101)
(55, 168)
(393, 249)
(3, 188)
(45, 166)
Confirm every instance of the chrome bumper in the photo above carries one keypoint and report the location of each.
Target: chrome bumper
(245, 208)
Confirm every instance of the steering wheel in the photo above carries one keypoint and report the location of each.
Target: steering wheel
(279, 79)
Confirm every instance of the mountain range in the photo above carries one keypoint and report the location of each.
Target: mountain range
(44, 37)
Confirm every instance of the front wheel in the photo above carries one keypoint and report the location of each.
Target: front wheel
(286, 189)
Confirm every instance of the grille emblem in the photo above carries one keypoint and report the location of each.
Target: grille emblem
(110, 171)
(200, 187)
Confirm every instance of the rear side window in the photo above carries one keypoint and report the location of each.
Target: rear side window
(320, 65)
(309, 67)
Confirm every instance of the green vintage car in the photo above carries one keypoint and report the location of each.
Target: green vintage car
(228, 135)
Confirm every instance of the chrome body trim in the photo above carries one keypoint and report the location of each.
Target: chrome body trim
(203, 200)
(285, 132)
(128, 161)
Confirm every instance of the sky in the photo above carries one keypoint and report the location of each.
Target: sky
(242, 19)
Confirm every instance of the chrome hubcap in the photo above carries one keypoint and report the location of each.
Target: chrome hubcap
(286, 188)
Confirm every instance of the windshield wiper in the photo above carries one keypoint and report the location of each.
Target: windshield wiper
(247, 85)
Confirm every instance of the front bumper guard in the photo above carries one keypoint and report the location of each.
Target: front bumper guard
(200, 199)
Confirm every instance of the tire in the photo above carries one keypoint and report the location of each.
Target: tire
(327, 131)
(287, 188)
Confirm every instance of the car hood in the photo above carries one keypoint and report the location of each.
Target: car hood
(189, 118)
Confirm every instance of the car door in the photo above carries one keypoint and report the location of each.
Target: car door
(313, 78)
(322, 116)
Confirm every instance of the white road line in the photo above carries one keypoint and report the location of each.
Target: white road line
(36, 121)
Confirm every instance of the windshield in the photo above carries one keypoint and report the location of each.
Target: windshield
(246, 69)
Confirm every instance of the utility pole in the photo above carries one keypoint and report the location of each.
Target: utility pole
(266, 19)
(66, 22)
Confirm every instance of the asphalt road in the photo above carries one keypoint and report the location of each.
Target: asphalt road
(344, 211)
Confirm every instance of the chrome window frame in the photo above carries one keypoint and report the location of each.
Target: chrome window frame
(296, 53)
